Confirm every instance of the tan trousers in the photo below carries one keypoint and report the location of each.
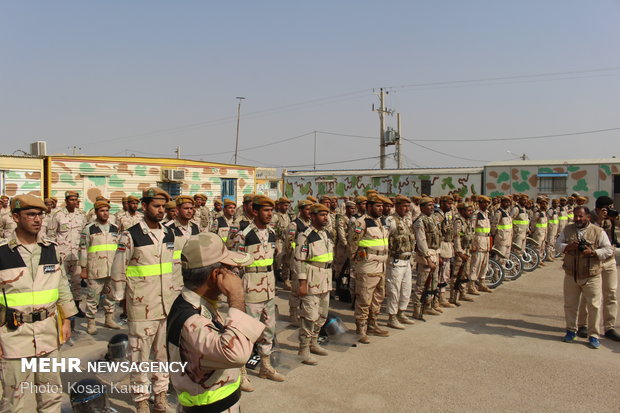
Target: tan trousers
(398, 280)
(313, 312)
(479, 262)
(369, 294)
(265, 312)
(96, 288)
(609, 278)
(47, 387)
(590, 288)
(72, 269)
(281, 262)
(340, 257)
(424, 272)
(146, 338)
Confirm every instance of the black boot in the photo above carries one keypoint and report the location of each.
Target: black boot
(80, 313)
(612, 334)
(582, 332)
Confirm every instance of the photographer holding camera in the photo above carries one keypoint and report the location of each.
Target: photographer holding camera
(586, 247)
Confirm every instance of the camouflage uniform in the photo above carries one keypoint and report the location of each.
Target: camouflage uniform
(181, 235)
(463, 239)
(481, 247)
(428, 240)
(398, 277)
(446, 251)
(501, 229)
(65, 228)
(7, 225)
(520, 226)
(280, 223)
(295, 228)
(126, 220)
(239, 224)
(98, 247)
(221, 226)
(342, 222)
(563, 218)
(141, 274)
(539, 226)
(553, 220)
(35, 268)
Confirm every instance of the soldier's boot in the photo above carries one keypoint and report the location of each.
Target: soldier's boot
(454, 298)
(143, 407)
(110, 323)
(471, 288)
(464, 297)
(161, 402)
(80, 313)
(403, 318)
(267, 371)
(483, 287)
(375, 330)
(436, 305)
(417, 312)
(445, 303)
(246, 384)
(306, 357)
(428, 309)
(393, 322)
(294, 316)
(361, 328)
(91, 327)
(315, 347)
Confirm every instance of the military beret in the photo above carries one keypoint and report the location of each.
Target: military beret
(371, 191)
(582, 198)
(283, 200)
(155, 193)
(562, 198)
(247, 198)
(505, 198)
(71, 193)
(4, 197)
(304, 203)
(464, 205)
(54, 198)
(101, 204)
(375, 199)
(401, 199)
(349, 204)
(446, 198)
(416, 198)
(184, 199)
(359, 199)
(334, 198)
(484, 198)
(124, 199)
(386, 200)
(201, 196)
(171, 205)
(101, 198)
(262, 200)
(570, 197)
(46, 200)
(21, 202)
(316, 208)
(217, 202)
(312, 199)
(541, 199)
(207, 248)
(229, 202)
(325, 198)
(131, 198)
(426, 200)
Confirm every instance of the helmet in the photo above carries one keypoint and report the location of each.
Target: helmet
(89, 396)
(117, 348)
(333, 327)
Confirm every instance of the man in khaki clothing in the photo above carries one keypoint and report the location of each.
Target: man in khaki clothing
(463, 239)
(4, 205)
(280, 223)
(132, 216)
(520, 223)
(98, 244)
(295, 228)
(444, 219)
(314, 255)
(481, 247)
(222, 224)
(142, 275)
(34, 292)
(539, 226)
(183, 228)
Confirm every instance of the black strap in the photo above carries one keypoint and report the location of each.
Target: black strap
(218, 406)
(181, 310)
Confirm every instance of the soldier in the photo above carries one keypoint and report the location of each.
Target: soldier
(183, 228)
(242, 219)
(501, 228)
(47, 215)
(280, 223)
(214, 348)
(553, 218)
(132, 216)
(520, 223)
(65, 228)
(539, 226)
(141, 273)
(368, 249)
(53, 198)
(331, 226)
(222, 224)
(4, 205)
(7, 226)
(481, 247)
(35, 293)
(570, 205)
(342, 226)
(312, 199)
(387, 207)
(295, 228)
(415, 208)
(463, 240)
(91, 216)
(360, 205)
(122, 211)
(398, 277)
(428, 240)
(562, 215)
(334, 208)
(314, 255)
(218, 208)
(259, 240)
(444, 217)
(98, 246)
(171, 212)
(199, 201)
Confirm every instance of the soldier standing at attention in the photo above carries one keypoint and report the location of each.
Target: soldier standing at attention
(398, 277)
(280, 223)
(4, 205)
(314, 255)
(183, 228)
(553, 218)
(218, 210)
(342, 226)
(7, 226)
(199, 201)
(34, 290)
(122, 211)
(428, 240)
(360, 205)
(222, 224)
(132, 216)
(539, 226)
(259, 284)
(481, 247)
(215, 348)
(243, 218)
(171, 212)
(446, 248)
(331, 225)
(463, 239)
(65, 229)
(501, 228)
(295, 228)
(368, 244)
(562, 215)
(142, 274)
(98, 246)
(520, 223)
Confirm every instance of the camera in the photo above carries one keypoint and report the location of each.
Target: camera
(583, 244)
(612, 213)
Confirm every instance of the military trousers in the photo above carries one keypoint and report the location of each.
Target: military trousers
(590, 289)
(609, 279)
(265, 312)
(369, 294)
(340, 258)
(96, 288)
(552, 234)
(478, 265)
(519, 238)
(464, 278)
(398, 281)
(427, 279)
(73, 270)
(313, 310)
(146, 338)
(16, 385)
(540, 237)
(280, 260)
(443, 276)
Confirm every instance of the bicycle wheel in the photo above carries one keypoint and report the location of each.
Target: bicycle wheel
(530, 259)
(513, 268)
(495, 274)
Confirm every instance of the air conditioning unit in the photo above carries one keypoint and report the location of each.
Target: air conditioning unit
(38, 148)
(174, 174)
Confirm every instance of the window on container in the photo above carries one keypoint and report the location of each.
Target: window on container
(425, 187)
(273, 184)
(173, 188)
(229, 188)
(552, 183)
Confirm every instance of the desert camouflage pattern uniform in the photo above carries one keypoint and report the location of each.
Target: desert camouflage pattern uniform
(7, 225)
(481, 246)
(428, 240)
(280, 223)
(520, 226)
(398, 278)
(553, 219)
(463, 239)
(446, 247)
(221, 226)
(539, 226)
(126, 220)
(295, 228)
(182, 233)
(501, 229)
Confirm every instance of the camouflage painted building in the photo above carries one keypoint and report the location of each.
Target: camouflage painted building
(268, 182)
(21, 175)
(116, 177)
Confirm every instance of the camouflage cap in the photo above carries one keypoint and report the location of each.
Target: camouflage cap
(184, 199)
(131, 198)
(155, 193)
(101, 204)
(21, 202)
(171, 205)
(201, 196)
(4, 196)
(263, 201)
(426, 200)
(360, 198)
(283, 200)
(217, 202)
(316, 208)
(71, 193)
(206, 249)
(304, 203)
(229, 202)
(312, 199)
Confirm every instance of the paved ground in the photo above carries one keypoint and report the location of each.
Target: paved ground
(501, 353)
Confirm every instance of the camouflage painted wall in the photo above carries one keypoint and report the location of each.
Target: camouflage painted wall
(298, 186)
(116, 178)
(591, 180)
(21, 175)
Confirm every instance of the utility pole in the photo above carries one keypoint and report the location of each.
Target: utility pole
(381, 129)
(240, 99)
(315, 150)
(178, 152)
(399, 156)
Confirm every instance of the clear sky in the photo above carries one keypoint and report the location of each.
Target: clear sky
(142, 77)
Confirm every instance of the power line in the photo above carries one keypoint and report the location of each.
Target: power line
(522, 137)
(309, 165)
(257, 146)
(444, 153)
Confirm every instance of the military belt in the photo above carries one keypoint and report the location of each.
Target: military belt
(268, 268)
(218, 406)
(325, 265)
(376, 252)
(34, 316)
(405, 256)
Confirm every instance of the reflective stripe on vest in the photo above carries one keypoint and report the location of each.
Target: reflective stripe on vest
(563, 218)
(103, 247)
(554, 221)
(293, 244)
(262, 263)
(329, 257)
(483, 230)
(542, 225)
(504, 226)
(571, 216)
(149, 270)
(518, 222)
(224, 239)
(379, 242)
(31, 298)
(209, 396)
(176, 255)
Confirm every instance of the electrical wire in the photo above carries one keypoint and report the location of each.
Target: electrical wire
(444, 153)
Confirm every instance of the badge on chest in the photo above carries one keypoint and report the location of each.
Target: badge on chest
(49, 268)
